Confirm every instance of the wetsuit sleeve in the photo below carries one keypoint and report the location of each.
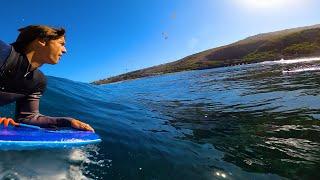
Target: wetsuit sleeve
(27, 111)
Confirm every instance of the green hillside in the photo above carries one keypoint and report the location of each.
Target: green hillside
(287, 44)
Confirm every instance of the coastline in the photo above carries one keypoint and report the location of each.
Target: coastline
(120, 79)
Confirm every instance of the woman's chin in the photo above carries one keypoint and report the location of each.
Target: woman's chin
(54, 62)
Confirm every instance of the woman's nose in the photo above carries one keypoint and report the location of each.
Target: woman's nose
(64, 50)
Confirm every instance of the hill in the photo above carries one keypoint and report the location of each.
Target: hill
(287, 44)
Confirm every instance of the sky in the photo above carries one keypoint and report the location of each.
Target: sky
(110, 37)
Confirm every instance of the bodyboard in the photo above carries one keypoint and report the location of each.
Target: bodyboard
(21, 138)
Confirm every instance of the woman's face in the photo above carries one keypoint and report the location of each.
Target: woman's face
(53, 50)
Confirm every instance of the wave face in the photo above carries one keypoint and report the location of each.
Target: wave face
(242, 122)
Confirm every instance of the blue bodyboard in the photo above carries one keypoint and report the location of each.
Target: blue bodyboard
(24, 137)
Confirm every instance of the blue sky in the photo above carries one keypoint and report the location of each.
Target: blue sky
(110, 37)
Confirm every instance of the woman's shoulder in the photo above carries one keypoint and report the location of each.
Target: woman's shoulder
(4, 50)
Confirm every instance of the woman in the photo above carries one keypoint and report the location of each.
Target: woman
(23, 82)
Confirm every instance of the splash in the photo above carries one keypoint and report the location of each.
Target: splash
(51, 164)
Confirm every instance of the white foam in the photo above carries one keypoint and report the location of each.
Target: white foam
(290, 61)
(78, 155)
(302, 70)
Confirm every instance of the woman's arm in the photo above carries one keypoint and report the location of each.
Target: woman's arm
(27, 111)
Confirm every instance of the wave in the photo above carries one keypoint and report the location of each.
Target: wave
(292, 61)
(301, 70)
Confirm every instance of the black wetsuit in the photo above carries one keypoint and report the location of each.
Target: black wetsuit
(18, 83)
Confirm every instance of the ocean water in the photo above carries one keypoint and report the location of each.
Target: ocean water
(258, 121)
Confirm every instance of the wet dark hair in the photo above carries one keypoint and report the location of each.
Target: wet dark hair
(32, 32)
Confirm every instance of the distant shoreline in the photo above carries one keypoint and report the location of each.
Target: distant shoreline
(302, 42)
(154, 75)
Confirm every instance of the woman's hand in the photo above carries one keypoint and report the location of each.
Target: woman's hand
(80, 125)
(7, 121)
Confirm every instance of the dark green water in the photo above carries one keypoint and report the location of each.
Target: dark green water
(241, 122)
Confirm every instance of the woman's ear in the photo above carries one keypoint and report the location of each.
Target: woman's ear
(41, 42)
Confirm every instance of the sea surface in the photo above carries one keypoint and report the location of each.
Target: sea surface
(257, 121)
